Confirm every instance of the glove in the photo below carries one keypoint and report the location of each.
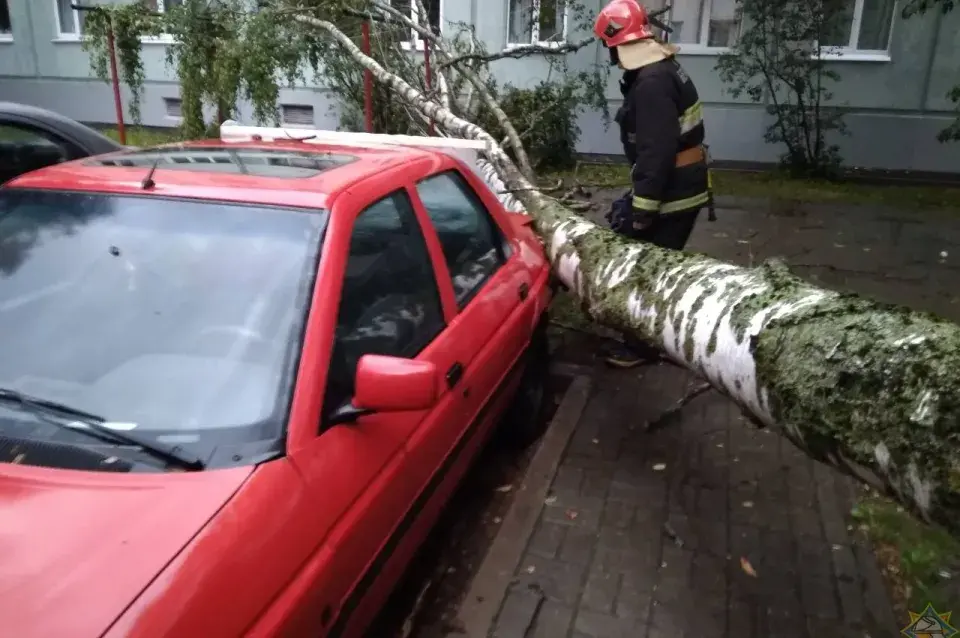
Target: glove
(619, 213)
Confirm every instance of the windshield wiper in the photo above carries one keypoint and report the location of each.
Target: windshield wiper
(93, 425)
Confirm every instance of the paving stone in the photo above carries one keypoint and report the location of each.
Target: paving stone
(600, 592)
(597, 625)
(555, 579)
(518, 613)
(546, 539)
(574, 511)
(578, 546)
(553, 620)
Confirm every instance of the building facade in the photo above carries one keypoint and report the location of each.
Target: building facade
(895, 74)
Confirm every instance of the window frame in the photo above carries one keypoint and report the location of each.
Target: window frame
(850, 50)
(415, 42)
(163, 38)
(700, 47)
(61, 34)
(7, 36)
(403, 191)
(500, 238)
(535, 28)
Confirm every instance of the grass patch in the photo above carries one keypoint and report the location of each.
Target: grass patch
(775, 185)
(922, 562)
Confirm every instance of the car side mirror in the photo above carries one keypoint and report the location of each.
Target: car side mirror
(389, 384)
(394, 384)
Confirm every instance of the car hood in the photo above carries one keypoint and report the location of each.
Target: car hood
(78, 547)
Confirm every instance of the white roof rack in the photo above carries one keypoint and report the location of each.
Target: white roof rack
(469, 151)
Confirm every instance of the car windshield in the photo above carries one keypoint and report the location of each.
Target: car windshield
(179, 318)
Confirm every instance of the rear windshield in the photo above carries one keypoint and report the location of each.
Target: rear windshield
(181, 317)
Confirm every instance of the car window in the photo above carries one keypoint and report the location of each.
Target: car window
(390, 303)
(24, 149)
(182, 317)
(472, 243)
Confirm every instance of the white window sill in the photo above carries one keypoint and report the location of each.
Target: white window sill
(67, 38)
(549, 44)
(700, 49)
(855, 56)
(6, 37)
(157, 39)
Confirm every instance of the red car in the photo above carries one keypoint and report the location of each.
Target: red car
(240, 380)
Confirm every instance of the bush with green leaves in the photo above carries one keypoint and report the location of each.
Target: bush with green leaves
(546, 119)
(778, 61)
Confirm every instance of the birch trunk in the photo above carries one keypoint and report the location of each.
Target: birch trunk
(869, 388)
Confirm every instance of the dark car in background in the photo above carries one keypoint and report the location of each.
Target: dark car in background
(32, 138)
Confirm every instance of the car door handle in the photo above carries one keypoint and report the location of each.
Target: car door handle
(454, 374)
(523, 291)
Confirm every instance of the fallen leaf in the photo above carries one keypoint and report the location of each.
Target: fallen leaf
(747, 567)
(550, 500)
(497, 520)
(595, 441)
(531, 569)
(720, 235)
(571, 514)
(743, 241)
(659, 467)
(748, 504)
(504, 488)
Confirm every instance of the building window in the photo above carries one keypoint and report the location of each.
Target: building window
(69, 21)
(296, 115)
(6, 27)
(537, 22)
(706, 23)
(409, 7)
(865, 25)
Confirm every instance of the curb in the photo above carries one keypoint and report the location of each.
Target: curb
(489, 586)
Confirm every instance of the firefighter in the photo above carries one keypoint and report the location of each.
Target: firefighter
(661, 128)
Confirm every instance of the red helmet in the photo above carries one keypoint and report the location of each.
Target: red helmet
(622, 21)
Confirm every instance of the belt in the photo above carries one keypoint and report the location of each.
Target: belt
(690, 156)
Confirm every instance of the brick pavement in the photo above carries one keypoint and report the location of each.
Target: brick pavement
(643, 533)
(602, 562)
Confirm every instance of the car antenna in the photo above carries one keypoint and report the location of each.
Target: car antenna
(148, 180)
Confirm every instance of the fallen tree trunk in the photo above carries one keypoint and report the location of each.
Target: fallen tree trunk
(869, 388)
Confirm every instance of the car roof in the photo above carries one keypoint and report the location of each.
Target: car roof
(282, 173)
(91, 140)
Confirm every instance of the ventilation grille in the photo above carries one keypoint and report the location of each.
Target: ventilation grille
(297, 114)
(173, 107)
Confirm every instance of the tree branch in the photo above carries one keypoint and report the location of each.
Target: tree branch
(521, 51)
(439, 46)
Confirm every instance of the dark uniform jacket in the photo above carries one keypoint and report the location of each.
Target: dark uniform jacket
(661, 127)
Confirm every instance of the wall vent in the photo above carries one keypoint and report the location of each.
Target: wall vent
(173, 107)
(296, 115)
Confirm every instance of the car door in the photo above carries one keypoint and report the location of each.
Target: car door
(367, 497)
(490, 330)
(25, 148)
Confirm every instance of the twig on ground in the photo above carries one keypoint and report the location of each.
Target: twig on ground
(667, 416)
